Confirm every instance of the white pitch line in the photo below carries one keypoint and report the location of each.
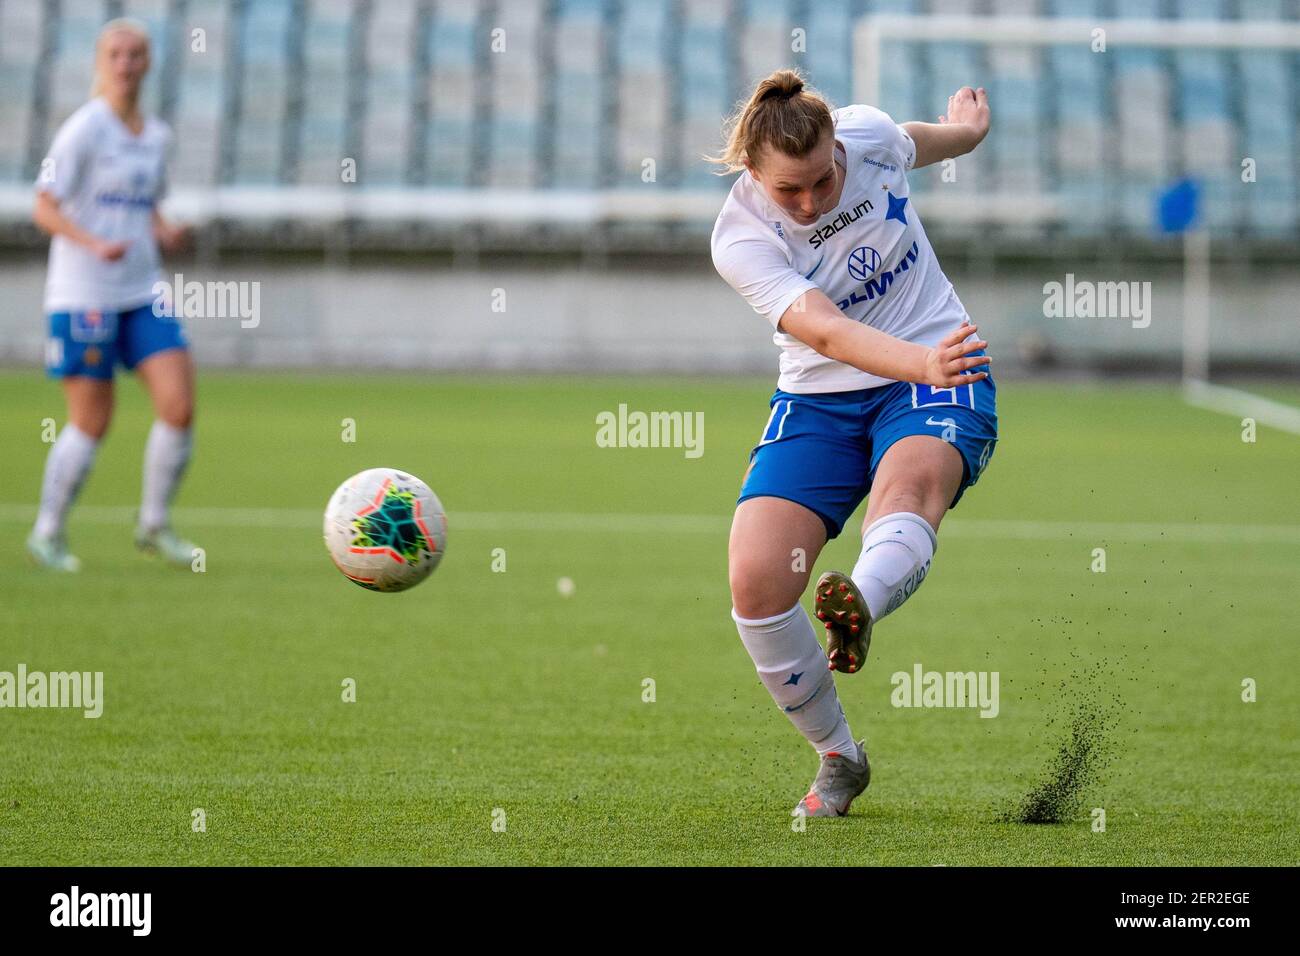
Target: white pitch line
(1235, 402)
(1088, 532)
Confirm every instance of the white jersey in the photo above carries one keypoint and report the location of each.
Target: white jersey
(107, 181)
(869, 254)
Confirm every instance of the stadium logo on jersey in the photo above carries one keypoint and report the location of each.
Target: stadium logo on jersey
(863, 263)
(880, 285)
(846, 218)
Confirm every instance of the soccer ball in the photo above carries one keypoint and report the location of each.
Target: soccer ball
(385, 529)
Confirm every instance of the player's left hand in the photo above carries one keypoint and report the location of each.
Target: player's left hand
(968, 107)
(949, 363)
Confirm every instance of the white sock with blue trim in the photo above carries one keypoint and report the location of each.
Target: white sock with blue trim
(896, 554)
(166, 454)
(66, 467)
(792, 666)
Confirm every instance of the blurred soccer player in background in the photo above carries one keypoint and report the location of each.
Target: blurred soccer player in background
(97, 197)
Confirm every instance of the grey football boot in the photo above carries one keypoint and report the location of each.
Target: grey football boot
(839, 781)
(842, 608)
(166, 544)
(52, 552)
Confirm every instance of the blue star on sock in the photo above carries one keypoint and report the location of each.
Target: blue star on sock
(896, 208)
(794, 678)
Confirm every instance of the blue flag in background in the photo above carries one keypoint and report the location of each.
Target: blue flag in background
(1176, 207)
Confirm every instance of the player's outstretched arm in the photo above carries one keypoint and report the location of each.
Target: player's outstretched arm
(815, 321)
(958, 131)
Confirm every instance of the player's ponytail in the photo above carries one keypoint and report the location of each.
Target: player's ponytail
(783, 113)
(121, 24)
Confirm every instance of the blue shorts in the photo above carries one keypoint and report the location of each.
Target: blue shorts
(92, 343)
(822, 450)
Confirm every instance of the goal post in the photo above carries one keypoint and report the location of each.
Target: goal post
(872, 32)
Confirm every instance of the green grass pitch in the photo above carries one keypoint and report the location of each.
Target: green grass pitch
(485, 696)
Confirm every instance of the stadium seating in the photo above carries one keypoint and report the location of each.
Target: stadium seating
(585, 94)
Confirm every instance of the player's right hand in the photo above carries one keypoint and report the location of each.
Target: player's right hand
(946, 364)
(109, 251)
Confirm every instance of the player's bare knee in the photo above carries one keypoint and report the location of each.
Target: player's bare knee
(92, 422)
(93, 428)
(902, 498)
(757, 593)
(178, 413)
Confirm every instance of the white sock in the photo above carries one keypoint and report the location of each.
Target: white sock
(66, 467)
(165, 456)
(896, 554)
(792, 666)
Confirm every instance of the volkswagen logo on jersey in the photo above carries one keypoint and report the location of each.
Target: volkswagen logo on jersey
(863, 263)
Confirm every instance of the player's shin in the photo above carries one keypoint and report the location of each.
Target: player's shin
(896, 553)
(792, 667)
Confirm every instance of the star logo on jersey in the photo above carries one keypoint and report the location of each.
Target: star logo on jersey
(896, 209)
(863, 263)
(794, 678)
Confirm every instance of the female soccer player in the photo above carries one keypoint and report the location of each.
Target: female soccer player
(878, 389)
(97, 197)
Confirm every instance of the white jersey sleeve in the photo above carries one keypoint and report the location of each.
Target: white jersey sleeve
(64, 167)
(756, 266)
(874, 131)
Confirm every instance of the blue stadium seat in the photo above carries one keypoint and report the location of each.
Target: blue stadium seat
(1100, 132)
(1138, 10)
(448, 151)
(828, 59)
(451, 41)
